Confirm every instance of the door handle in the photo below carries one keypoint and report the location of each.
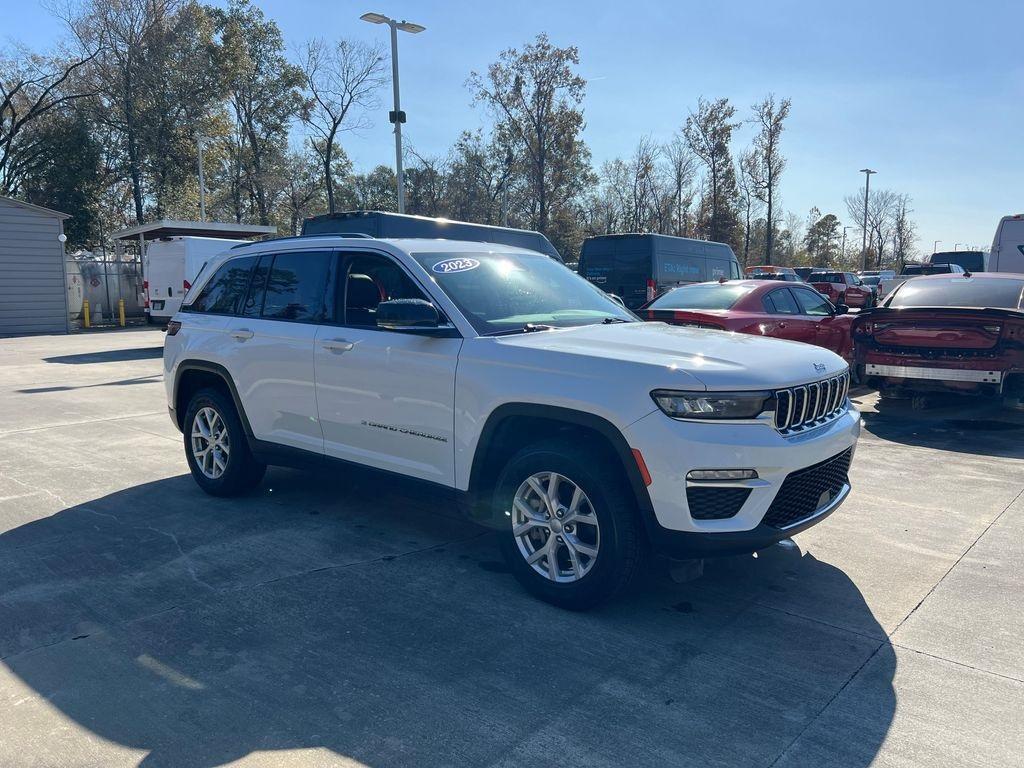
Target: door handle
(782, 325)
(337, 345)
(242, 334)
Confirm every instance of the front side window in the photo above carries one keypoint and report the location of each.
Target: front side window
(223, 294)
(503, 292)
(370, 279)
(297, 287)
(813, 303)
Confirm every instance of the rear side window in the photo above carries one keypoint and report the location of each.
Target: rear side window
(223, 294)
(297, 287)
(813, 303)
(781, 303)
(257, 287)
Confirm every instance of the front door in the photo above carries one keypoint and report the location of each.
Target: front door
(386, 398)
(829, 333)
(787, 319)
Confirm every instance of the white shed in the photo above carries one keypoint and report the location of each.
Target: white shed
(33, 293)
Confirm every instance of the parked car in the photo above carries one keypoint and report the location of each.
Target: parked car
(638, 267)
(948, 333)
(806, 272)
(971, 261)
(794, 312)
(914, 270)
(842, 288)
(1007, 254)
(771, 272)
(880, 281)
(498, 375)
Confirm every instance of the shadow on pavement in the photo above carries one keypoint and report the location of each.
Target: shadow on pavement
(373, 624)
(109, 356)
(959, 424)
(156, 377)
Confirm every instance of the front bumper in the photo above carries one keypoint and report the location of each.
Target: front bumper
(672, 448)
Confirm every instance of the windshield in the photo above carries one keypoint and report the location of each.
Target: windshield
(702, 296)
(1002, 293)
(926, 269)
(508, 291)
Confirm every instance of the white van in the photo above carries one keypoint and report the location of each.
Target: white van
(171, 265)
(1008, 246)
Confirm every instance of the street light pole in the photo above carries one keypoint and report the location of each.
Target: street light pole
(397, 117)
(935, 246)
(842, 250)
(864, 241)
(202, 182)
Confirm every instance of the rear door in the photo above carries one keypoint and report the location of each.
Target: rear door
(386, 398)
(290, 295)
(788, 321)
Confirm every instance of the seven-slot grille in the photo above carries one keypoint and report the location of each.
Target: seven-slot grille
(806, 406)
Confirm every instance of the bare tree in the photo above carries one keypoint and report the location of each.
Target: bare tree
(342, 80)
(708, 133)
(750, 203)
(30, 87)
(767, 161)
(682, 170)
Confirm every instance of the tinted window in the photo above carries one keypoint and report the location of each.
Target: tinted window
(828, 277)
(1003, 293)
(813, 303)
(297, 287)
(703, 296)
(926, 269)
(224, 292)
(781, 303)
(369, 280)
(257, 287)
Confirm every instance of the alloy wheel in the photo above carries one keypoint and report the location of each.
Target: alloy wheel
(211, 445)
(555, 527)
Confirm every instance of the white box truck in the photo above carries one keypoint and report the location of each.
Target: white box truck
(1008, 246)
(170, 266)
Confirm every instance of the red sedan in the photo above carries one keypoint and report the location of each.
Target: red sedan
(948, 333)
(761, 307)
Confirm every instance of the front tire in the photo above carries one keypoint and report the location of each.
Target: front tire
(216, 447)
(573, 535)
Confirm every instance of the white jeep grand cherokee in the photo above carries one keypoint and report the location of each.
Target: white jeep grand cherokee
(584, 435)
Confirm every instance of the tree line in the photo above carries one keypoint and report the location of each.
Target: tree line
(109, 129)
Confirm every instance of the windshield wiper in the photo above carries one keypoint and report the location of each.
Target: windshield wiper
(609, 320)
(527, 328)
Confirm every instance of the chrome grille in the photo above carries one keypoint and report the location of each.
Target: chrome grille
(808, 405)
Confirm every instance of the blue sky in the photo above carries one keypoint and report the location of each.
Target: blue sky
(929, 94)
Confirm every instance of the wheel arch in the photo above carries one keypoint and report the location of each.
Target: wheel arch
(506, 431)
(194, 375)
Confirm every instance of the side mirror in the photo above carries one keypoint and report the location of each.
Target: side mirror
(407, 315)
(842, 309)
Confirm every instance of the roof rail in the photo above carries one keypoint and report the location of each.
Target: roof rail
(355, 235)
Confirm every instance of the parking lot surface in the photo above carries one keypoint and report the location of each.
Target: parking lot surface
(329, 620)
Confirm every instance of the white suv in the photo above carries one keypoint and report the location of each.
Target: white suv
(581, 433)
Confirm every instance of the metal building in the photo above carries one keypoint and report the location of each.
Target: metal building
(33, 292)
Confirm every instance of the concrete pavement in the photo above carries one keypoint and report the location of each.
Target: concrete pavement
(327, 620)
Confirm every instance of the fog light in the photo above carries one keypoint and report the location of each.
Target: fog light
(721, 474)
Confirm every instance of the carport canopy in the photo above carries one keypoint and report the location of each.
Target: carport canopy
(157, 230)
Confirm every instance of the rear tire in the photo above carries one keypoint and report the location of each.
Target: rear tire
(595, 558)
(216, 447)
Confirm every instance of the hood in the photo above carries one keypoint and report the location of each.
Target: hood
(719, 360)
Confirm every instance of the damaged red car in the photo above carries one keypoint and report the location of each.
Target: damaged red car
(782, 310)
(959, 333)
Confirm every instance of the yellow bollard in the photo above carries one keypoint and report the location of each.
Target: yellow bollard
(120, 311)
(85, 313)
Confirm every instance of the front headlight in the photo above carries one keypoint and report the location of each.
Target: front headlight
(713, 405)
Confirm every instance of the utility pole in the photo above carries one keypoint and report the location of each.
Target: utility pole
(842, 250)
(397, 116)
(864, 241)
(202, 182)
